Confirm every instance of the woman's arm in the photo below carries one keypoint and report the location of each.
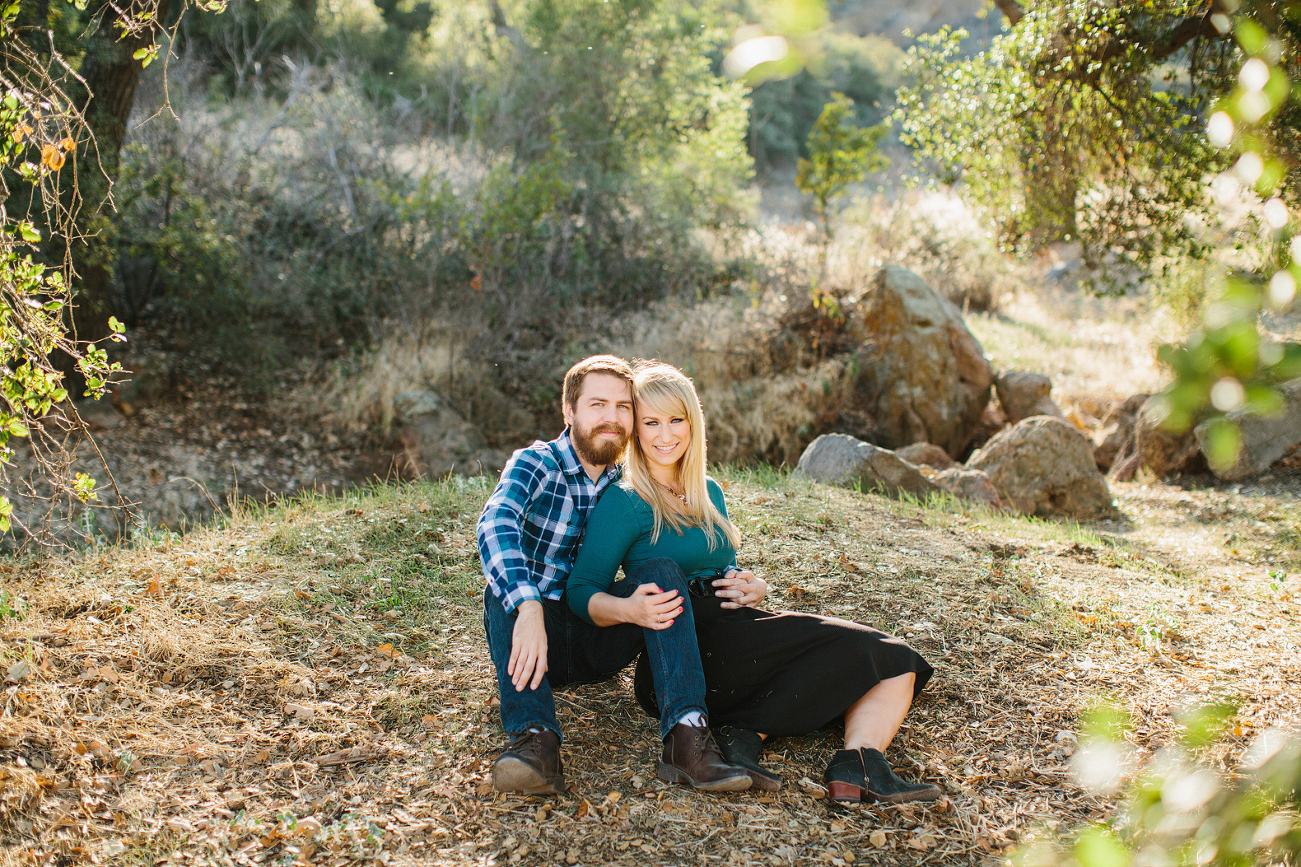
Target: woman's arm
(611, 529)
(647, 607)
(741, 588)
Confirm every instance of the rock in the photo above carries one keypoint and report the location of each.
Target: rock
(99, 414)
(921, 375)
(1108, 441)
(839, 459)
(1114, 439)
(969, 484)
(926, 454)
(1022, 394)
(437, 441)
(1265, 439)
(1164, 452)
(1044, 466)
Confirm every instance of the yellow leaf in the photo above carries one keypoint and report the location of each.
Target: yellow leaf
(67, 144)
(877, 838)
(52, 158)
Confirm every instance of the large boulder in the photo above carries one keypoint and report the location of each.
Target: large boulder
(1164, 452)
(926, 455)
(969, 484)
(839, 459)
(1044, 466)
(1265, 439)
(921, 375)
(436, 440)
(1022, 394)
(1114, 438)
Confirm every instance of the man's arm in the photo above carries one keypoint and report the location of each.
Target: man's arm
(528, 646)
(501, 531)
(510, 579)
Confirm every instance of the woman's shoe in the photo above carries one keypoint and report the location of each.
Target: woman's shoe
(884, 784)
(845, 778)
(741, 747)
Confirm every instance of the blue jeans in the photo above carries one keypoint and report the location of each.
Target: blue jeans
(578, 652)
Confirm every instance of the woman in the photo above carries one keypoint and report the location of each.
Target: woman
(768, 674)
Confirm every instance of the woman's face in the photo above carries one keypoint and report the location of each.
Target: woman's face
(664, 437)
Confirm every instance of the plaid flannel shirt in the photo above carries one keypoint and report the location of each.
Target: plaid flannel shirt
(531, 526)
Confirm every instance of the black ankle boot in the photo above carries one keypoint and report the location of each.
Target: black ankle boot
(845, 778)
(741, 747)
(884, 784)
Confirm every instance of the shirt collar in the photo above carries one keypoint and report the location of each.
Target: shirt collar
(573, 467)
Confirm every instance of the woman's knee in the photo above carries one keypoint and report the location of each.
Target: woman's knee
(662, 572)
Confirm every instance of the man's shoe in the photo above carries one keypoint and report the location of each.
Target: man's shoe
(884, 785)
(741, 747)
(691, 757)
(530, 764)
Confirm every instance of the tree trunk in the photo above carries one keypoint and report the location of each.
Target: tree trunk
(110, 74)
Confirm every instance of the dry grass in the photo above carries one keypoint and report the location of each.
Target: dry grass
(311, 685)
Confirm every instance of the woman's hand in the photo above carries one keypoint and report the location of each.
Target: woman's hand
(741, 589)
(651, 608)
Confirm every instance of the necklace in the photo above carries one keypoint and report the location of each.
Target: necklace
(682, 497)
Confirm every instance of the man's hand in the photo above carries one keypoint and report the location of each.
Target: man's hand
(528, 646)
(741, 589)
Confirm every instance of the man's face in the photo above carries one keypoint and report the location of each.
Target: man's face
(601, 418)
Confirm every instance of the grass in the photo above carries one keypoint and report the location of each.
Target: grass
(308, 683)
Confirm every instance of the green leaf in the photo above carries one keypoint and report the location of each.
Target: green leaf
(1204, 725)
(29, 233)
(1223, 443)
(17, 428)
(1100, 847)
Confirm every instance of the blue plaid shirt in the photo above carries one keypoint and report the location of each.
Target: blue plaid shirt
(531, 526)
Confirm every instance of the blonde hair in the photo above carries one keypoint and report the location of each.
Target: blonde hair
(662, 388)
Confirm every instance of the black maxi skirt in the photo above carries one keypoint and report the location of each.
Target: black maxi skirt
(786, 673)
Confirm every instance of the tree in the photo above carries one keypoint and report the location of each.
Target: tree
(840, 154)
(1082, 120)
(61, 131)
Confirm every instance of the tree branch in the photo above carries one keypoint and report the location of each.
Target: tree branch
(1012, 9)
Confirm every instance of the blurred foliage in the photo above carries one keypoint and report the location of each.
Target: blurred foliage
(867, 70)
(1179, 810)
(1228, 366)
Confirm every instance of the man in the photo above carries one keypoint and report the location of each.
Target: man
(528, 537)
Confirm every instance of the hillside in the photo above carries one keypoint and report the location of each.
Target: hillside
(310, 684)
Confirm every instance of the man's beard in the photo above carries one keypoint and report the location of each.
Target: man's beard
(599, 453)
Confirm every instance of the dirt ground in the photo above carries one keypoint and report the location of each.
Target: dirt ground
(310, 685)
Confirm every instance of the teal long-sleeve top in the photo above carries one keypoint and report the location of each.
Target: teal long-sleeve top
(619, 534)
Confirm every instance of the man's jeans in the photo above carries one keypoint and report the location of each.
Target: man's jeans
(578, 652)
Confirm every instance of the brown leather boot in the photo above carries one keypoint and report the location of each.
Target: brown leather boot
(691, 757)
(530, 764)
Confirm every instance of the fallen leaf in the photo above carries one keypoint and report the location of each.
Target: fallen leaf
(877, 838)
(922, 843)
(18, 671)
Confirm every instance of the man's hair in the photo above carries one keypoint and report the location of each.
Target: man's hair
(607, 364)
